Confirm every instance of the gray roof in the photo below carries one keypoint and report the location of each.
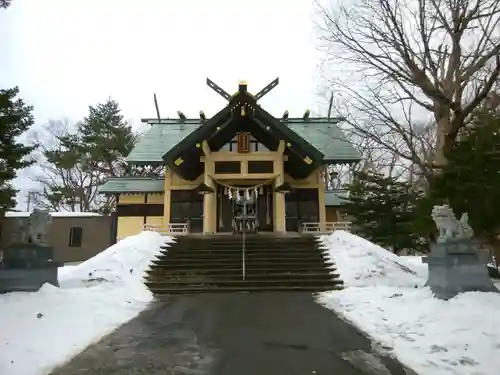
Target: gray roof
(161, 137)
(133, 185)
(336, 197)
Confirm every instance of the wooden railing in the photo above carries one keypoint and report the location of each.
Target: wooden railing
(329, 227)
(170, 229)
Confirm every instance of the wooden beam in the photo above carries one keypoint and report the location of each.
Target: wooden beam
(206, 148)
(218, 89)
(268, 88)
(281, 147)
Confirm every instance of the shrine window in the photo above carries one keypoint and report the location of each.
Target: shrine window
(75, 236)
(227, 167)
(254, 146)
(260, 166)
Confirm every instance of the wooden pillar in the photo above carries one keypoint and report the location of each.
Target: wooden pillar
(321, 201)
(167, 198)
(209, 200)
(279, 198)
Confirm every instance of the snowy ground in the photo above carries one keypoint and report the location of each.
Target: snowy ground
(44, 329)
(385, 297)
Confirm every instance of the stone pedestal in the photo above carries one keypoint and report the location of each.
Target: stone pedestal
(455, 267)
(27, 279)
(26, 264)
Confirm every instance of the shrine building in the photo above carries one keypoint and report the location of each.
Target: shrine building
(277, 164)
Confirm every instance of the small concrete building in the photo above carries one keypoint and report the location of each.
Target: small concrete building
(74, 236)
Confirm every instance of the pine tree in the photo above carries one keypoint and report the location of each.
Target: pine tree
(15, 119)
(93, 152)
(106, 138)
(382, 211)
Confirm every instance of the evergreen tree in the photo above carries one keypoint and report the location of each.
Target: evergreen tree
(382, 211)
(471, 180)
(93, 152)
(15, 118)
(106, 138)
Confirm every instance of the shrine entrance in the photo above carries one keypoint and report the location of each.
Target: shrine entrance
(260, 205)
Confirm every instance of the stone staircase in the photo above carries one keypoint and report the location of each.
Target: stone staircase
(195, 264)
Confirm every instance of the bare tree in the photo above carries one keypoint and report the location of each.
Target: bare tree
(440, 54)
(5, 3)
(385, 133)
(64, 188)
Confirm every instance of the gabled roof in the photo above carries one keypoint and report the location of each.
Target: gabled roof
(306, 147)
(162, 136)
(133, 185)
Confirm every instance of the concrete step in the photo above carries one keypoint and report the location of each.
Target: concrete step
(227, 266)
(239, 245)
(238, 240)
(238, 276)
(248, 239)
(238, 256)
(221, 262)
(291, 251)
(257, 272)
(240, 283)
(196, 290)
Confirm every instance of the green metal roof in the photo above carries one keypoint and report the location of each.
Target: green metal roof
(328, 138)
(159, 139)
(163, 135)
(132, 185)
(336, 197)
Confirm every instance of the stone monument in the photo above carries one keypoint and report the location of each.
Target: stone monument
(26, 263)
(454, 262)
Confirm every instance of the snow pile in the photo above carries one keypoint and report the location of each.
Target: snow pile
(456, 337)
(123, 262)
(362, 263)
(44, 329)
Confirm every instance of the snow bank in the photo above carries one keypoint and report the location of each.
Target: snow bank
(125, 261)
(44, 329)
(433, 337)
(362, 263)
(456, 337)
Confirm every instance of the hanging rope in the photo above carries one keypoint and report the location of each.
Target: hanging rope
(243, 188)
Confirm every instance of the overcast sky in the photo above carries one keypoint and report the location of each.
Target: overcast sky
(65, 55)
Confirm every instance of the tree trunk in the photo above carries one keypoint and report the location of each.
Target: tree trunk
(2, 215)
(495, 245)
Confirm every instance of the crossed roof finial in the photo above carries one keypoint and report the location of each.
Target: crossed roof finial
(242, 87)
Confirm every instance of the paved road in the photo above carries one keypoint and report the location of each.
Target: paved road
(233, 334)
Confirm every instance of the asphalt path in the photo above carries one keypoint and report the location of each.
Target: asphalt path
(234, 334)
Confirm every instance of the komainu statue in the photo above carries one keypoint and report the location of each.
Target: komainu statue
(38, 227)
(449, 227)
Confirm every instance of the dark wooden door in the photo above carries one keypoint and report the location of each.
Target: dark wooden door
(224, 212)
(265, 210)
(196, 216)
